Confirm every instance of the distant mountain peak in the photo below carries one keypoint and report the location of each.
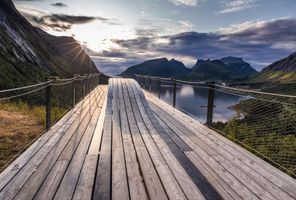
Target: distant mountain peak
(227, 68)
(231, 59)
(157, 67)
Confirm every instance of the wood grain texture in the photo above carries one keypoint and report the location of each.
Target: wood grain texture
(122, 143)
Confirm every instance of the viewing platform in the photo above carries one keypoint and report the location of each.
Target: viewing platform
(121, 142)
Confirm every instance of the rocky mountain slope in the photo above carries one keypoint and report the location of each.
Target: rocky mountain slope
(283, 70)
(28, 54)
(225, 69)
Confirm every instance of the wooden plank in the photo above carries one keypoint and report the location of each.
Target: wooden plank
(96, 140)
(153, 184)
(102, 186)
(86, 180)
(62, 152)
(228, 153)
(203, 189)
(219, 184)
(207, 157)
(85, 183)
(168, 178)
(67, 186)
(18, 181)
(119, 178)
(17, 165)
(252, 185)
(135, 179)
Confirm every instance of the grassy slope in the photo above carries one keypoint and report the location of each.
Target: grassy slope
(274, 76)
(20, 125)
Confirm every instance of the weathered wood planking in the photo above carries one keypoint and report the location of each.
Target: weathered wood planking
(152, 182)
(59, 127)
(182, 178)
(135, 179)
(118, 145)
(102, 184)
(29, 178)
(56, 162)
(236, 160)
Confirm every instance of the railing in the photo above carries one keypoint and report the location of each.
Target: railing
(39, 106)
(261, 121)
(146, 83)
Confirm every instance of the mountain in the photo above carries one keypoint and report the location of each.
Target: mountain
(283, 70)
(158, 67)
(225, 69)
(28, 54)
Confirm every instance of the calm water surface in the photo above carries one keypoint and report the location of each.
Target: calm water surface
(193, 101)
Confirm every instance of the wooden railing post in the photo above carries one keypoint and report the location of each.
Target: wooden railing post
(211, 96)
(74, 91)
(48, 105)
(140, 80)
(174, 91)
(84, 92)
(99, 79)
(159, 87)
(137, 79)
(150, 84)
(143, 81)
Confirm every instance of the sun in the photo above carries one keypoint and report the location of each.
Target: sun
(98, 36)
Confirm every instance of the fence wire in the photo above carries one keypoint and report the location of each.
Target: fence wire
(23, 111)
(262, 121)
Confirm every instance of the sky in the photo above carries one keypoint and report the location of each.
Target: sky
(120, 33)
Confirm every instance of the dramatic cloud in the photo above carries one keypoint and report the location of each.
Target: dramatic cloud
(229, 6)
(259, 43)
(185, 2)
(59, 22)
(59, 4)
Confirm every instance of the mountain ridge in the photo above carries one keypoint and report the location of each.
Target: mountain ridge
(29, 54)
(157, 67)
(204, 70)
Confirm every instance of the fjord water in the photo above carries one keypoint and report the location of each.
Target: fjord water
(193, 101)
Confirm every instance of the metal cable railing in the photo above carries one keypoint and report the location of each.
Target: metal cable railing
(263, 122)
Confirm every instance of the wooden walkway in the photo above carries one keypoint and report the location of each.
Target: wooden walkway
(127, 144)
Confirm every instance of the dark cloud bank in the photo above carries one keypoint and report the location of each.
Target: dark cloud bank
(259, 43)
(59, 4)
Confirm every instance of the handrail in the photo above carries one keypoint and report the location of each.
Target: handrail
(26, 87)
(211, 86)
(55, 81)
(256, 92)
(221, 86)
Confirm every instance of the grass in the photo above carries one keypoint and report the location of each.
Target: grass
(20, 125)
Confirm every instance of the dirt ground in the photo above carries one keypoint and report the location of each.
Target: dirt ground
(17, 130)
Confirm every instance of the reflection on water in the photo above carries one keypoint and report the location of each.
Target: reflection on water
(193, 101)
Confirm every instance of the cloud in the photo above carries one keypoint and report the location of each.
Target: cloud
(184, 2)
(59, 4)
(59, 22)
(230, 6)
(160, 27)
(258, 42)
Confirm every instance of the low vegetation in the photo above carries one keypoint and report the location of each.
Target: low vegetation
(267, 128)
(20, 125)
